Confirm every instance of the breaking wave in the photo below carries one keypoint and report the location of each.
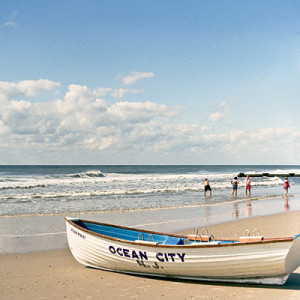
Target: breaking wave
(87, 174)
(57, 189)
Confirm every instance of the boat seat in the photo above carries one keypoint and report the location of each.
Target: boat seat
(202, 238)
(206, 243)
(249, 239)
(146, 242)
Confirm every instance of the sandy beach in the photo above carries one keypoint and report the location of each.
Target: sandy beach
(56, 275)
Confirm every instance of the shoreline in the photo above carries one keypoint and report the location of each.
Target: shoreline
(146, 209)
(42, 233)
(55, 274)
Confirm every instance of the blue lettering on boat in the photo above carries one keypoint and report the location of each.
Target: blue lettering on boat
(181, 256)
(126, 252)
(119, 251)
(134, 255)
(142, 255)
(165, 257)
(129, 253)
(112, 249)
(158, 256)
(78, 233)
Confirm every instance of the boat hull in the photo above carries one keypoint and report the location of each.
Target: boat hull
(263, 262)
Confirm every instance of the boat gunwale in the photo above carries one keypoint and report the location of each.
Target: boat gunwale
(237, 242)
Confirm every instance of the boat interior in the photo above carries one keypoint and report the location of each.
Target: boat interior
(134, 235)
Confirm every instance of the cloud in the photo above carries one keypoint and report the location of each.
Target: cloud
(220, 114)
(82, 118)
(9, 90)
(217, 116)
(135, 76)
(10, 24)
(11, 20)
(120, 93)
(83, 121)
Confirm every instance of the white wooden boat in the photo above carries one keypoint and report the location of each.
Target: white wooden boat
(251, 259)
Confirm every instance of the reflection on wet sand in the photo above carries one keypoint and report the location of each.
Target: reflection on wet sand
(286, 203)
(207, 214)
(236, 211)
(248, 209)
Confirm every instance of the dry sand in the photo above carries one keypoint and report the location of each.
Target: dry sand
(56, 275)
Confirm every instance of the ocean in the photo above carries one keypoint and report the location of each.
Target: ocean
(35, 199)
(50, 190)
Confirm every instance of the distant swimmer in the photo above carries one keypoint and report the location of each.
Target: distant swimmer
(207, 187)
(248, 186)
(286, 186)
(235, 184)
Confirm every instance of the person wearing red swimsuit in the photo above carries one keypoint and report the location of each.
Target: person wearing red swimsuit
(248, 186)
(286, 186)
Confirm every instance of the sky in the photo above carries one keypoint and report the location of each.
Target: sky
(149, 82)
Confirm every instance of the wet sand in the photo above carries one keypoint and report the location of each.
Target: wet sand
(34, 233)
(56, 275)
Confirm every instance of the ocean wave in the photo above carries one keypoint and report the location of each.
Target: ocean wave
(25, 186)
(146, 189)
(91, 173)
(87, 188)
(218, 180)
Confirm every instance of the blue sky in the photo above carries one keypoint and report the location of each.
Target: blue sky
(149, 82)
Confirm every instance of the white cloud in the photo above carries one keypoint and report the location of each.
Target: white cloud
(222, 105)
(10, 24)
(217, 116)
(80, 118)
(221, 113)
(205, 128)
(83, 121)
(137, 112)
(11, 20)
(135, 76)
(120, 93)
(26, 88)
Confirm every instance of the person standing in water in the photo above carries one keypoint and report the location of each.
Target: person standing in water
(248, 185)
(235, 184)
(286, 185)
(207, 187)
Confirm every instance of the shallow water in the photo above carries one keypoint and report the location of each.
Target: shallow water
(39, 190)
